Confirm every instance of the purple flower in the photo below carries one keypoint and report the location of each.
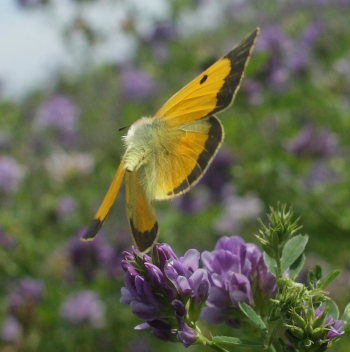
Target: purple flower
(166, 291)
(59, 113)
(84, 307)
(24, 298)
(164, 31)
(237, 210)
(218, 174)
(11, 329)
(11, 174)
(162, 34)
(313, 143)
(6, 241)
(253, 90)
(320, 173)
(194, 201)
(237, 274)
(87, 257)
(336, 327)
(66, 205)
(136, 84)
(311, 34)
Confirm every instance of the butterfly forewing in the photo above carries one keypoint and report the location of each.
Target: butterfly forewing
(211, 91)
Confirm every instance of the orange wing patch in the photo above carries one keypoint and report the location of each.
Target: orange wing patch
(213, 90)
(187, 163)
(140, 213)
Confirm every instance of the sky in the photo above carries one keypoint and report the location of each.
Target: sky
(33, 48)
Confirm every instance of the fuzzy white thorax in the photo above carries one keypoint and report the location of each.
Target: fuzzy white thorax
(143, 139)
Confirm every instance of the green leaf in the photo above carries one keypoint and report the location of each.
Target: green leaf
(346, 316)
(296, 267)
(250, 313)
(228, 340)
(328, 279)
(331, 308)
(293, 250)
(271, 264)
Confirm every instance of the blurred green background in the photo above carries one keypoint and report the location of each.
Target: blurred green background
(287, 140)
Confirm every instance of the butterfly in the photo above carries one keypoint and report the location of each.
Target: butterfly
(168, 153)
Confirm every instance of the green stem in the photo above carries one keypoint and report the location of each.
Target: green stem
(206, 342)
(278, 264)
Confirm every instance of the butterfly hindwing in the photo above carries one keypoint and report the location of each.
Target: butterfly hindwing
(175, 172)
(140, 213)
(213, 90)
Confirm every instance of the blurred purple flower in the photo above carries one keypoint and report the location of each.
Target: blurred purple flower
(84, 307)
(139, 345)
(87, 257)
(313, 143)
(253, 90)
(164, 31)
(311, 34)
(66, 205)
(236, 211)
(194, 201)
(159, 39)
(136, 84)
(11, 329)
(238, 274)
(6, 241)
(274, 41)
(159, 288)
(321, 173)
(24, 298)
(299, 61)
(60, 113)
(218, 174)
(11, 174)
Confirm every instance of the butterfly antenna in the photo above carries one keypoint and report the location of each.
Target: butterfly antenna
(123, 128)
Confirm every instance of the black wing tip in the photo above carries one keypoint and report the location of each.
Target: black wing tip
(144, 240)
(253, 34)
(91, 232)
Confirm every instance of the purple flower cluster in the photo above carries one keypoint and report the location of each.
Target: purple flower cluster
(238, 273)
(84, 307)
(166, 291)
(287, 57)
(23, 300)
(310, 142)
(59, 113)
(136, 84)
(87, 257)
(6, 241)
(11, 174)
(163, 33)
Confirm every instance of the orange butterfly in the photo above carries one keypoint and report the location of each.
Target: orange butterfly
(168, 153)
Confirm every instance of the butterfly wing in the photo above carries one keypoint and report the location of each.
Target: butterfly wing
(140, 213)
(106, 204)
(185, 156)
(213, 90)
